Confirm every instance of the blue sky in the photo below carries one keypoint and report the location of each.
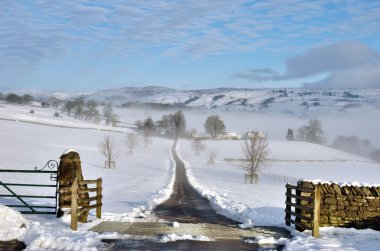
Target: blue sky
(91, 45)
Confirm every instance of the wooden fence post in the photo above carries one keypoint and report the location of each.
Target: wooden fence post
(99, 198)
(74, 205)
(288, 206)
(316, 211)
(298, 210)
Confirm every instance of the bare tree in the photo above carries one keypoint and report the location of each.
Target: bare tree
(212, 153)
(197, 146)
(131, 142)
(148, 130)
(79, 107)
(255, 152)
(68, 107)
(56, 102)
(108, 113)
(114, 119)
(179, 122)
(312, 132)
(110, 149)
(214, 126)
(290, 135)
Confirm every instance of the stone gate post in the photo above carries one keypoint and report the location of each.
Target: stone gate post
(70, 169)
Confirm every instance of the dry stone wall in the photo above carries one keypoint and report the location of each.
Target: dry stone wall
(348, 206)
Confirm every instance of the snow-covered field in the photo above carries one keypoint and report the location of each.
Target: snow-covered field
(263, 204)
(144, 179)
(138, 183)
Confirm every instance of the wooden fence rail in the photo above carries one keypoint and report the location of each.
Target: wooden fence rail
(306, 204)
(80, 205)
(281, 177)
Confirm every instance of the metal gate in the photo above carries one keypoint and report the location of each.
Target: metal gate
(26, 207)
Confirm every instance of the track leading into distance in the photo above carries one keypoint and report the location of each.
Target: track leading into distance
(196, 216)
(185, 204)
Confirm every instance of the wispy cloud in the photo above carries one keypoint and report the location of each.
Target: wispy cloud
(348, 65)
(31, 31)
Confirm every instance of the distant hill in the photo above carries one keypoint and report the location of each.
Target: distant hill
(285, 100)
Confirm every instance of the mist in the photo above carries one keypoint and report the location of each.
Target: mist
(275, 125)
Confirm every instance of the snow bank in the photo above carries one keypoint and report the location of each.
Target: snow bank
(13, 224)
(164, 193)
(333, 238)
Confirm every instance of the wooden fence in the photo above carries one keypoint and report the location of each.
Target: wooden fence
(281, 177)
(306, 203)
(81, 205)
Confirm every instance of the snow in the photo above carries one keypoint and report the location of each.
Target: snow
(13, 224)
(146, 178)
(69, 151)
(175, 237)
(263, 204)
(333, 238)
(138, 183)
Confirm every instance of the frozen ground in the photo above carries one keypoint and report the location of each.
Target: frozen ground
(144, 179)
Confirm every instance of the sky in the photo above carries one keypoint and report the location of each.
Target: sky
(88, 45)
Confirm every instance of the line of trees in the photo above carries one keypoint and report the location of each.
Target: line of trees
(87, 110)
(16, 99)
(170, 125)
(311, 132)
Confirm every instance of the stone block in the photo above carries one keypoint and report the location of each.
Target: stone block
(363, 214)
(358, 199)
(353, 208)
(373, 214)
(340, 198)
(336, 189)
(350, 214)
(323, 219)
(333, 207)
(349, 219)
(341, 207)
(371, 209)
(330, 201)
(340, 213)
(335, 219)
(373, 202)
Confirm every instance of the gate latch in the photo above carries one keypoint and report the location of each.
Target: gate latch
(53, 177)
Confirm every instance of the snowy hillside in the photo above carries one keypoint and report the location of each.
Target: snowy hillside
(282, 100)
(286, 100)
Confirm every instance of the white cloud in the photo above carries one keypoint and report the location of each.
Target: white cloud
(365, 76)
(347, 65)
